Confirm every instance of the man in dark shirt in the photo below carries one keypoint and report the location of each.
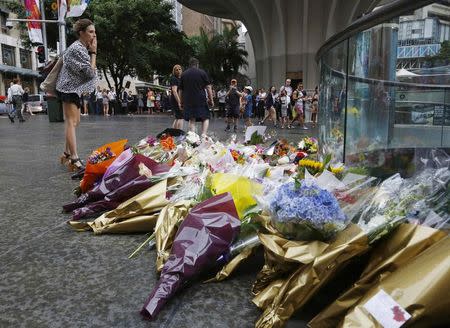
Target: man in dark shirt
(194, 88)
(233, 112)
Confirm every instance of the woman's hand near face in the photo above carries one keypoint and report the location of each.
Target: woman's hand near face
(93, 45)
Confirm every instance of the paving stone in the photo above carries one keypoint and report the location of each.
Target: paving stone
(52, 276)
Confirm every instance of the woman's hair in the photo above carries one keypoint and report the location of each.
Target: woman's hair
(175, 68)
(16, 80)
(81, 25)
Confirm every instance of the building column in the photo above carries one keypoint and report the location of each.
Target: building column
(33, 60)
(17, 55)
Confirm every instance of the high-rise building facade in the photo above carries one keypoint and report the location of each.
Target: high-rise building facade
(17, 61)
(177, 13)
(420, 35)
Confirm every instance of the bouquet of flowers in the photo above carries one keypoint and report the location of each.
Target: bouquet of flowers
(99, 161)
(309, 145)
(205, 234)
(303, 211)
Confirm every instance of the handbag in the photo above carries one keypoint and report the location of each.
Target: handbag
(49, 84)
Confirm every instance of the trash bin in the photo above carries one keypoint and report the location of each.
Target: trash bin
(55, 110)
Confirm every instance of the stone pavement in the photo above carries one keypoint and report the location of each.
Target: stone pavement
(52, 276)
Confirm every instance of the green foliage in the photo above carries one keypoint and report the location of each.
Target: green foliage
(219, 54)
(256, 139)
(137, 38)
(443, 57)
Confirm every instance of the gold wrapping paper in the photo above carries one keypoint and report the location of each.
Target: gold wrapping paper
(137, 214)
(404, 244)
(421, 287)
(226, 271)
(149, 201)
(303, 283)
(166, 228)
(102, 225)
(283, 256)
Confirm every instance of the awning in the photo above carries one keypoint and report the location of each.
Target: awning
(142, 84)
(404, 73)
(18, 70)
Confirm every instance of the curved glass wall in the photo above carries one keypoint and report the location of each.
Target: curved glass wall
(374, 112)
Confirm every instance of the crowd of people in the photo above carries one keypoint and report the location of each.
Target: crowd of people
(286, 108)
(107, 102)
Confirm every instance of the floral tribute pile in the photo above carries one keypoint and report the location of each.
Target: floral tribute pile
(208, 206)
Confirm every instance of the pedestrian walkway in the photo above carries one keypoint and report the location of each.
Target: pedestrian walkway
(52, 276)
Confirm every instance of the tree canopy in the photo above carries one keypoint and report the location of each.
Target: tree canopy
(443, 57)
(137, 38)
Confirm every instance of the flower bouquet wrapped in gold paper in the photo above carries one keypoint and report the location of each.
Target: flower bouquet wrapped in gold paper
(419, 290)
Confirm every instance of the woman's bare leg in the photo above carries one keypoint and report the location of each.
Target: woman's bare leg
(72, 119)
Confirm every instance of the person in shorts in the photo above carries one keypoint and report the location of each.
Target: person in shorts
(233, 111)
(78, 74)
(193, 83)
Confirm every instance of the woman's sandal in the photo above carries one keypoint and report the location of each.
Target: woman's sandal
(65, 158)
(75, 164)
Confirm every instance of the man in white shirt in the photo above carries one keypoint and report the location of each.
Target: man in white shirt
(99, 100)
(112, 96)
(288, 88)
(15, 93)
(221, 95)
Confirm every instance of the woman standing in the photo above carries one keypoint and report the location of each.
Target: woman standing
(105, 102)
(78, 75)
(271, 112)
(315, 106)
(150, 101)
(175, 101)
(140, 109)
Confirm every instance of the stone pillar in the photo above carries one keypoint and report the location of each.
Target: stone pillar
(17, 55)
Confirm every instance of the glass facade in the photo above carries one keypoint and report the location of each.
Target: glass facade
(370, 115)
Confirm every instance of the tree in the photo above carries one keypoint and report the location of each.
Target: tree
(442, 58)
(137, 38)
(220, 54)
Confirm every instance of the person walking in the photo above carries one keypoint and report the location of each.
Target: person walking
(297, 114)
(233, 111)
(270, 112)
(192, 87)
(25, 98)
(175, 101)
(78, 74)
(15, 93)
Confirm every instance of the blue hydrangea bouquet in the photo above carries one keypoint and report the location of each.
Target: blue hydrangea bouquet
(303, 211)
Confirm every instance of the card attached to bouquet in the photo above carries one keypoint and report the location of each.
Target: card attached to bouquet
(386, 310)
(260, 129)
